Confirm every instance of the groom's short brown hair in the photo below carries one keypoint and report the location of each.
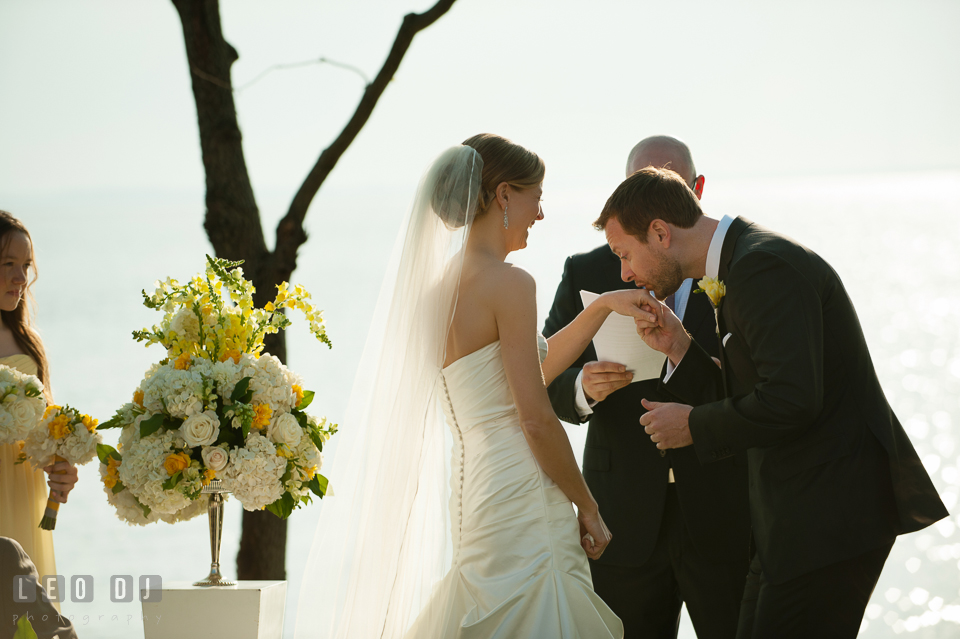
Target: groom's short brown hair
(647, 195)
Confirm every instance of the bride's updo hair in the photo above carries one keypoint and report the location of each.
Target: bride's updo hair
(453, 186)
(504, 161)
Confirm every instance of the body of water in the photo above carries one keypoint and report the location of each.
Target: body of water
(894, 240)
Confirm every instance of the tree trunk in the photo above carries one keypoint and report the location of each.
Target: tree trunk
(233, 225)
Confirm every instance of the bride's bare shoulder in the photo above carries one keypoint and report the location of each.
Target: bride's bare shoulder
(507, 279)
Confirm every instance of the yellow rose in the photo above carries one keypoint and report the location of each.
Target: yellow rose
(176, 462)
(714, 288)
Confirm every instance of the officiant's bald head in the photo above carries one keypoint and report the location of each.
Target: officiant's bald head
(665, 152)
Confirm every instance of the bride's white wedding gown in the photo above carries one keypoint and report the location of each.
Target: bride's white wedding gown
(518, 569)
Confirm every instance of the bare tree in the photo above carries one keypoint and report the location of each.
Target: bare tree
(232, 218)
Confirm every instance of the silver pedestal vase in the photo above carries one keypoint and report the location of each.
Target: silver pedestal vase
(215, 515)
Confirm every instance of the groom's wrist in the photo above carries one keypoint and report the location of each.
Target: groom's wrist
(679, 349)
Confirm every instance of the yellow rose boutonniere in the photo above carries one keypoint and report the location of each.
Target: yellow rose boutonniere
(714, 288)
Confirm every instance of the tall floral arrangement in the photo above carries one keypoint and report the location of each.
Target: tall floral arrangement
(216, 407)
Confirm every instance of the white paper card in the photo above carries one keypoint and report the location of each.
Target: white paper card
(617, 341)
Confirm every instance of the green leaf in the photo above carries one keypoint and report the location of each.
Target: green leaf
(144, 508)
(306, 401)
(283, 507)
(315, 437)
(171, 483)
(152, 425)
(246, 430)
(318, 485)
(105, 452)
(240, 390)
(118, 487)
(24, 629)
(113, 422)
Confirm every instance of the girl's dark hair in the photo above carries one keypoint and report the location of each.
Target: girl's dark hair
(20, 320)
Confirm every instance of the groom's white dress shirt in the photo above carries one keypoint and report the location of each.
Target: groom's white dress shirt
(712, 267)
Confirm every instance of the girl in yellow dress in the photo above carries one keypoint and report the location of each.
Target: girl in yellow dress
(23, 491)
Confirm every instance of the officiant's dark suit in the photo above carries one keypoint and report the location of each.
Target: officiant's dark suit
(833, 476)
(672, 542)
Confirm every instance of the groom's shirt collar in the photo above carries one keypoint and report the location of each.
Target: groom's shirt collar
(716, 245)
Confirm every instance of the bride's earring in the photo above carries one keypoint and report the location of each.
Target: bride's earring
(506, 222)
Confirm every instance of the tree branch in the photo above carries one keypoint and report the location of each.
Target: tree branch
(290, 232)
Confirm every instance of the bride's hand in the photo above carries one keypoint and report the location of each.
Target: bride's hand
(636, 303)
(666, 334)
(594, 534)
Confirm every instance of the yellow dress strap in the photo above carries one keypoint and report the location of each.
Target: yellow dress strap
(21, 362)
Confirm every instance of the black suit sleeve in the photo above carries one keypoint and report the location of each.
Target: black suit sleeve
(566, 306)
(775, 315)
(696, 380)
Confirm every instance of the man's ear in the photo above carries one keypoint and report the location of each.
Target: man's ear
(660, 233)
(698, 186)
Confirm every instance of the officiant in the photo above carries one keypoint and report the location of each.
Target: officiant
(680, 530)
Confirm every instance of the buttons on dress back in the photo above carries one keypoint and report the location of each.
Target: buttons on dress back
(459, 443)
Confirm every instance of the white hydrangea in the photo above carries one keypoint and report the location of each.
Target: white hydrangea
(226, 374)
(19, 414)
(196, 508)
(179, 393)
(127, 508)
(272, 383)
(143, 473)
(254, 472)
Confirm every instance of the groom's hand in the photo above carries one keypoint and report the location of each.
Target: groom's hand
(602, 378)
(667, 424)
(666, 334)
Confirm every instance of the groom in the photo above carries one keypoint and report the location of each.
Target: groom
(833, 477)
(680, 529)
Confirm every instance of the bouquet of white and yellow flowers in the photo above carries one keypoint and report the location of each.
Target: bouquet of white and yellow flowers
(63, 434)
(216, 407)
(21, 404)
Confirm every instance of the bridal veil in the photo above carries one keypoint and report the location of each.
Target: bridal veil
(383, 541)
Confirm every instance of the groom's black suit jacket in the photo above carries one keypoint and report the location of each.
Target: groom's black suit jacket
(625, 471)
(832, 472)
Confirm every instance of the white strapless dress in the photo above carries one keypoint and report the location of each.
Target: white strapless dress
(518, 568)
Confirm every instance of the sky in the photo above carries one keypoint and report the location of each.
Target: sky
(96, 95)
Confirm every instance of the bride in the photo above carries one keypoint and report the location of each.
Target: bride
(454, 478)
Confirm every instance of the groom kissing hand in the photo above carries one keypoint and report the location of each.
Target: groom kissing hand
(833, 477)
(681, 529)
